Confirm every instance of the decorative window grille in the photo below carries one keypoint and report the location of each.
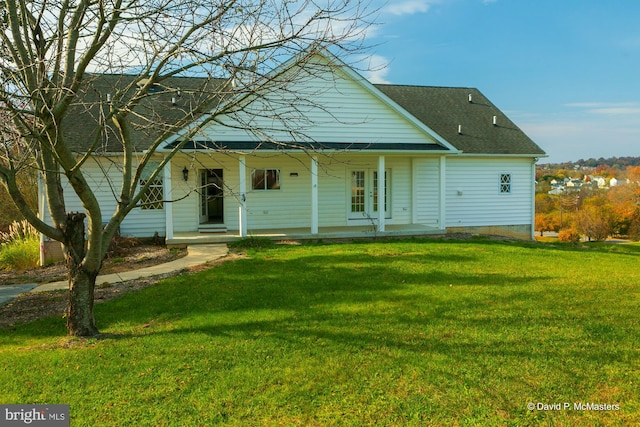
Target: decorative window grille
(505, 183)
(153, 197)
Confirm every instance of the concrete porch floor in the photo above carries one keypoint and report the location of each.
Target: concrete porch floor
(195, 238)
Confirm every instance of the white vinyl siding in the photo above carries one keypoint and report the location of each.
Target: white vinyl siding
(338, 110)
(105, 182)
(473, 196)
(288, 207)
(400, 189)
(427, 191)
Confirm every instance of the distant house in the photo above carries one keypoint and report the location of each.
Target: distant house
(575, 183)
(380, 159)
(601, 181)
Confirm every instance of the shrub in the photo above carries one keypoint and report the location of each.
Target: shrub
(20, 254)
(18, 230)
(19, 247)
(569, 235)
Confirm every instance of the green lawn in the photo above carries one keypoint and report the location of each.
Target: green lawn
(420, 332)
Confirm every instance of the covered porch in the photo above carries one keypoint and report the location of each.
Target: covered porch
(346, 232)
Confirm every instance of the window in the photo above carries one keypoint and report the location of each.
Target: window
(505, 183)
(265, 179)
(152, 198)
(357, 191)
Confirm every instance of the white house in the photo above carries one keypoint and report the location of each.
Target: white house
(378, 160)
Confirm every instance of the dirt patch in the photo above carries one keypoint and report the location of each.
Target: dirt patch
(131, 258)
(32, 306)
(28, 307)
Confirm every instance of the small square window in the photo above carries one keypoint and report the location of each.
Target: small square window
(265, 179)
(505, 183)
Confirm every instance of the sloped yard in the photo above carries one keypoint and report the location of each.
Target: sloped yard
(395, 333)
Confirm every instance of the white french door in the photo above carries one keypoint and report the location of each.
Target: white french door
(365, 192)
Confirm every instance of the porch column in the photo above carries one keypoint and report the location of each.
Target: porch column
(533, 198)
(168, 198)
(381, 194)
(242, 210)
(314, 195)
(442, 220)
(42, 204)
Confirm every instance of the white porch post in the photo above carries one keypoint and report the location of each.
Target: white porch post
(381, 194)
(443, 193)
(168, 197)
(314, 195)
(242, 210)
(533, 198)
(42, 205)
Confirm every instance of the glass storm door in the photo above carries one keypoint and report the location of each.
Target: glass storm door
(211, 196)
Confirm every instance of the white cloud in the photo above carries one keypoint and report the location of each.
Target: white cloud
(374, 68)
(408, 7)
(608, 108)
(571, 138)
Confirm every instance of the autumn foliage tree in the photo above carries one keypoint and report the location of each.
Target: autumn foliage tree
(596, 213)
(595, 219)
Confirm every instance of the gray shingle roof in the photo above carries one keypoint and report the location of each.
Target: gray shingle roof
(154, 115)
(447, 109)
(441, 109)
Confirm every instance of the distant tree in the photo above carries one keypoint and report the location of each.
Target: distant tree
(634, 226)
(624, 204)
(569, 235)
(595, 219)
(545, 203)
(547, 222)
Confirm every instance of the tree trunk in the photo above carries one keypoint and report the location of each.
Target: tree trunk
(80, 318)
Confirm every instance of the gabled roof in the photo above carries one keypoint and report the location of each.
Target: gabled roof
(447, 110)
(462, 118)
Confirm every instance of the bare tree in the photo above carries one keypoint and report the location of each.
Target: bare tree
(51, 53)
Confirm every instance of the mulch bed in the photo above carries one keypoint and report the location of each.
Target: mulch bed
(31, 306)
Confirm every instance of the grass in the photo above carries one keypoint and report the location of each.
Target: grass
(395, 333)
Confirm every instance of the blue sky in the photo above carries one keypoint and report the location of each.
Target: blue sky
(567, 72)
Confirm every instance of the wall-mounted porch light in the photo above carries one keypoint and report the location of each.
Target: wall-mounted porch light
(185, 174)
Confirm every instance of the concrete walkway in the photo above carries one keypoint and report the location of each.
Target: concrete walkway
(196, 255)
(9, 292)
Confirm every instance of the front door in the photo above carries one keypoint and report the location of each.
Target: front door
(364, 194)
(211, 196)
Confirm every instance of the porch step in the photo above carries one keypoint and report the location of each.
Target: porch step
(212, 228)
